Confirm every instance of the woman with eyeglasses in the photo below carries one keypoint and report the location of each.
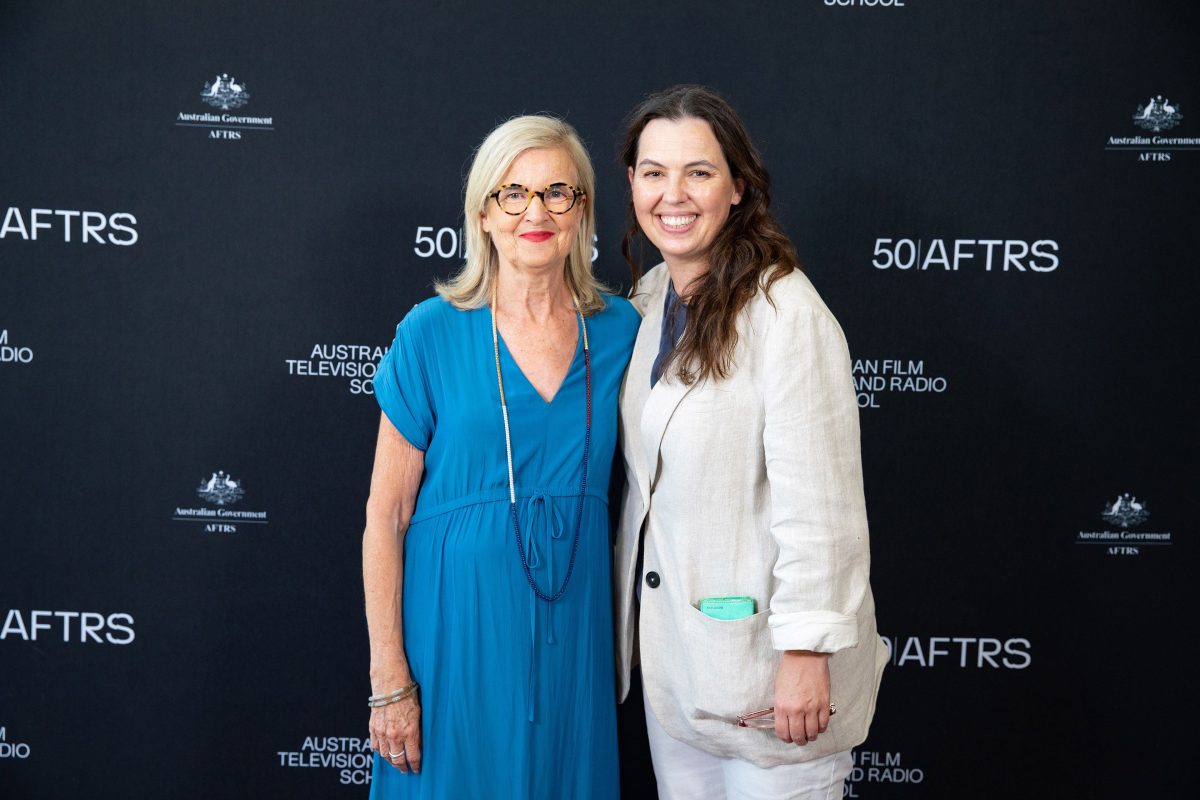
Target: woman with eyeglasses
(742, 555)
(486, 554)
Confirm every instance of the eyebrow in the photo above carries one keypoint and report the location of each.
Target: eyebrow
(649, 162)
(547, 186)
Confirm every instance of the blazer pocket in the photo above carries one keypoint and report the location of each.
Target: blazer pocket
(732, 666)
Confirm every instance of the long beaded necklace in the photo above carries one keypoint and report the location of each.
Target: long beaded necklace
(587, 446)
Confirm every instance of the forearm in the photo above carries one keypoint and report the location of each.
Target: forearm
(383, 585)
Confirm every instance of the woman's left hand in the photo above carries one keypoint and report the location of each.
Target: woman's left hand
(802, 696)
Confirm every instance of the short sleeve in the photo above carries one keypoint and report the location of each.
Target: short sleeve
(402, 384)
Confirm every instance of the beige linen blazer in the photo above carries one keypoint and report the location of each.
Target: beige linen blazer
(751, 485)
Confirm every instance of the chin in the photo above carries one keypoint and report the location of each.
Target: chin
(678, 253)
(545, 264)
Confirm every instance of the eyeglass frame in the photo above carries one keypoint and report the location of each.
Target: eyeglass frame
(576, 193)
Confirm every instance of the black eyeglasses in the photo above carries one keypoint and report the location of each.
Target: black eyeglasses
(558, 198)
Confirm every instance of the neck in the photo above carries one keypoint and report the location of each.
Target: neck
(536, 296)
(682, 276)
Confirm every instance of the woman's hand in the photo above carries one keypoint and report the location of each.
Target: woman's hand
(802, 696)
(396, 733)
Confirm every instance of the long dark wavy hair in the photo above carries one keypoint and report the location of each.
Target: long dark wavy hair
(750, 250)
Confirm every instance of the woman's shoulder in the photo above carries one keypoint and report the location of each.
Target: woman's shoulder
(431, 314)
(791, 294)
(620, 314)
(619, 308)
(795, 312)
(648, 286)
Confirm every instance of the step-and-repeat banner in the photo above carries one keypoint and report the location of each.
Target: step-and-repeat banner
(212, 215)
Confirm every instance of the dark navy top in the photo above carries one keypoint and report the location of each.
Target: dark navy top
(673, 322)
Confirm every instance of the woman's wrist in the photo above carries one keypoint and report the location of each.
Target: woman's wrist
(387, 698)
(385, 680)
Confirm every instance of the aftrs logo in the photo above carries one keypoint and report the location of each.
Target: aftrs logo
(219, 491)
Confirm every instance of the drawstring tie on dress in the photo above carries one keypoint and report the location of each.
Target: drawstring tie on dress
(542, 517)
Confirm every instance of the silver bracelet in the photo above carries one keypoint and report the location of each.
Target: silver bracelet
(379, 700)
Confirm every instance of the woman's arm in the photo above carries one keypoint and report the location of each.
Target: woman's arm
(395, 728)
(818, 517)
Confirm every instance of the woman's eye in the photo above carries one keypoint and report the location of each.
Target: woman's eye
(700, 173)
(555, 194)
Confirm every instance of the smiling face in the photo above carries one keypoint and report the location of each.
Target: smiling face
(682, 189)
(535, 240)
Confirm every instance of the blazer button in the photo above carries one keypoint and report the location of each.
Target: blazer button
(652, 580)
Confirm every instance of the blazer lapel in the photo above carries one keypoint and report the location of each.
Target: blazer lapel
(664, 398)
(661, 401)
(636, 393)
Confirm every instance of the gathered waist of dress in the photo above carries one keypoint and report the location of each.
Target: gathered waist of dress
(424, 511)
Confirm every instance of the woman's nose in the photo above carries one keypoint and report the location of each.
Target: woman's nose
(675, 192)
(537, 209)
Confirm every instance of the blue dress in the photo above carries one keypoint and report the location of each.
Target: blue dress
(517, 694)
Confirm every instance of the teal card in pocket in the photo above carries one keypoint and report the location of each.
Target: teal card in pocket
(727, 608)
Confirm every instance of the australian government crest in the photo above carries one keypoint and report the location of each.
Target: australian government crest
(218, 492)
(226, 95)
(220, 489)
(1125, 513)
(1156, 116)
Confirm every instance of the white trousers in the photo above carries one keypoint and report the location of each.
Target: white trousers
(684, 772)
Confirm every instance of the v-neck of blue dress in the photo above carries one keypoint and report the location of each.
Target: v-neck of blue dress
(512, 365)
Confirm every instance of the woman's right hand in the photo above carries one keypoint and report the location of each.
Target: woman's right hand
(396, 729)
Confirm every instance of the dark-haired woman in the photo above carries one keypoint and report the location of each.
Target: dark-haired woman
(742, 556)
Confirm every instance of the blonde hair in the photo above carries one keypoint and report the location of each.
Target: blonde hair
(472, 286)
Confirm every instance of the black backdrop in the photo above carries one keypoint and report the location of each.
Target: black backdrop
(189, 291)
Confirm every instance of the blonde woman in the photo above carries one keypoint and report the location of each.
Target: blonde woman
(486, 557)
